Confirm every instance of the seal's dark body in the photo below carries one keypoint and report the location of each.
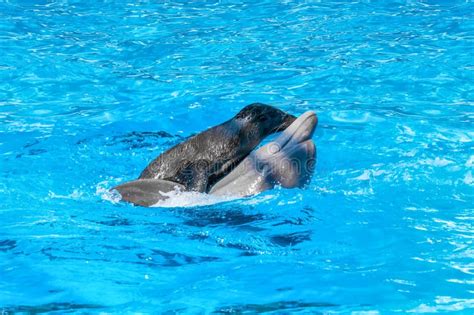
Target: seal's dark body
(205, 158)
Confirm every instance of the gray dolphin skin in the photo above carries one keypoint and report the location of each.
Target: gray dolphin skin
(287, 161)
(147, 192)
(199, 162)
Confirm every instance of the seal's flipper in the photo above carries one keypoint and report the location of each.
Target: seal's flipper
(199, 183)
(146, 192)
(197, 176)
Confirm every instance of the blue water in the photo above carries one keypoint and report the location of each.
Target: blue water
(91, 92)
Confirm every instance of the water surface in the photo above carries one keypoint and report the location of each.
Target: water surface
(90, 92)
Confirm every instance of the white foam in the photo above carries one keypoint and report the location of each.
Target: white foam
(178, 198)
(75, 195)
(103, 190)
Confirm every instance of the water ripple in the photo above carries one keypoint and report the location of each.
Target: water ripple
(91, 92)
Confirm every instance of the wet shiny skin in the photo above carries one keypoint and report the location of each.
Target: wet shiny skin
(90, 93)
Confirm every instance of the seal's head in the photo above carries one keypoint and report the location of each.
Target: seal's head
(260, 120)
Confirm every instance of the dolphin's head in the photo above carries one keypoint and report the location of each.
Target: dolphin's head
(299, 131)
(291, 157)
(288, 160)
(267, 119)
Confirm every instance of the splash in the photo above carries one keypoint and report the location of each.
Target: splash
(103, 190)
(177, 198)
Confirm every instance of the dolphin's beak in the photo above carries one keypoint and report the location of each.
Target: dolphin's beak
(299, 131)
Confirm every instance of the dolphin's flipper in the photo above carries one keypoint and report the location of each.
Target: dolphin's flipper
(146, 192)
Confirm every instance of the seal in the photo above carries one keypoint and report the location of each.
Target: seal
(287, 161)
(198, 163)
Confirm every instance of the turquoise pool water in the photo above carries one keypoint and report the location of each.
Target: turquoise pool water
(91, 92)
